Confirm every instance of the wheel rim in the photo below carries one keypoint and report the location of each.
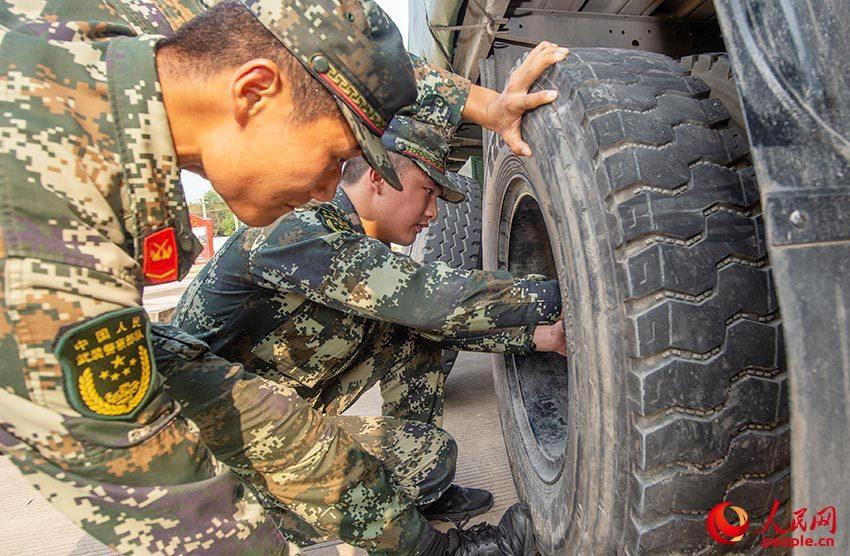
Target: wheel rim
(538, 382)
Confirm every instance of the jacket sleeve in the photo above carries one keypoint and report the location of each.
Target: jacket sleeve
(357, 274)
(517, 340)
(440, 98)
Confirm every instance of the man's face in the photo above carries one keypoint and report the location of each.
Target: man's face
(261, 162)
(400, 215)
(265, 170)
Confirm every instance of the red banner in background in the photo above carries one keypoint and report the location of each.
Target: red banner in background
(203, 230)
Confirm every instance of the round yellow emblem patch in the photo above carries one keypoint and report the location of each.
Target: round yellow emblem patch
(107, 364)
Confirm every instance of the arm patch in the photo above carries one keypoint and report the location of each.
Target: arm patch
(333, 220)
(108, 364)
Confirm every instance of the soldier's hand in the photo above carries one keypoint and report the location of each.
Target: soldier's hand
(503, 114)
(551, 337)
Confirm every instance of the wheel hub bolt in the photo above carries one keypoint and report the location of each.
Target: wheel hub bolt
(798, 218)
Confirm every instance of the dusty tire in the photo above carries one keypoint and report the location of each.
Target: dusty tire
(639, 201)
(453, 238)
(715, 70)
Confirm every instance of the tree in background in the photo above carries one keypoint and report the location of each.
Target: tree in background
(212, 206)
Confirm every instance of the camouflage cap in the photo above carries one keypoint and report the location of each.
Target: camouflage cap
(425, 145)
(355, 50)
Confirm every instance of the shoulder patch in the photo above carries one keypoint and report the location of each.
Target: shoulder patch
(108, 364)
(333, 221)
(159, 257)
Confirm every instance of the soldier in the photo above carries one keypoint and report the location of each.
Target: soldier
(319, 302)
(446, 98)
(96, 125)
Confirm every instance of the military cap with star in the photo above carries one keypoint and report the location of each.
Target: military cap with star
(355, 50)
(426, 146)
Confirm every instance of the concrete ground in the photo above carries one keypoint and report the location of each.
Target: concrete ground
(31, 526)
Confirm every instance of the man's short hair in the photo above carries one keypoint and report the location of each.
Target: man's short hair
(228, 35)
(354, 168)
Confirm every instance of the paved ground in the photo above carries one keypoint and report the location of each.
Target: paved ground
(32, 527)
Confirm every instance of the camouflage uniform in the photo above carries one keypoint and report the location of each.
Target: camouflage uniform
(91, 202)
(314, 303)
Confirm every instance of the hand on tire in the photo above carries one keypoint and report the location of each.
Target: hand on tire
(551, 337)
(504, 113)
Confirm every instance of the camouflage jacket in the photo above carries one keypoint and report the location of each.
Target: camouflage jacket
(88, 170)
(297, 299)
(90, 157)
(98, 172)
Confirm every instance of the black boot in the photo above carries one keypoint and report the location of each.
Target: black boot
(513, 537)
(458, 504)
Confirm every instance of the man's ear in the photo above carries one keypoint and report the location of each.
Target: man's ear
(251, 87)
(376, 181)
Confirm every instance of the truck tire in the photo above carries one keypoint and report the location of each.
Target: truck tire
(454, 237)
(640, 200)
(715, 70)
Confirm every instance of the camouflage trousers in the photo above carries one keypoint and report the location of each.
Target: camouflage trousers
(419, 456)
(294, 468)
(158, 483)
(412, 387)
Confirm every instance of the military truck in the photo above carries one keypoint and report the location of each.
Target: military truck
(689, 191)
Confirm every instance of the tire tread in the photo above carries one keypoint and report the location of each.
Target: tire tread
(709, 401)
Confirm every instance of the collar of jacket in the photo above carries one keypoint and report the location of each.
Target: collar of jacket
(154, 197)
(343, 203)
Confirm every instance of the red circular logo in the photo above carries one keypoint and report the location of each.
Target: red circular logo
(719, 527)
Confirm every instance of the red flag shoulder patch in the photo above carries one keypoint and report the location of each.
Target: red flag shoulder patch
(160, 261)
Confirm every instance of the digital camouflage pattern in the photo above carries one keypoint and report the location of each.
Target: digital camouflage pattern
(440, 97)
(89, 175)
(314, 303)
(419, 458)
(86, 176)
(422, 131)
(408, 368)
(352, 48)
(303, 461)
